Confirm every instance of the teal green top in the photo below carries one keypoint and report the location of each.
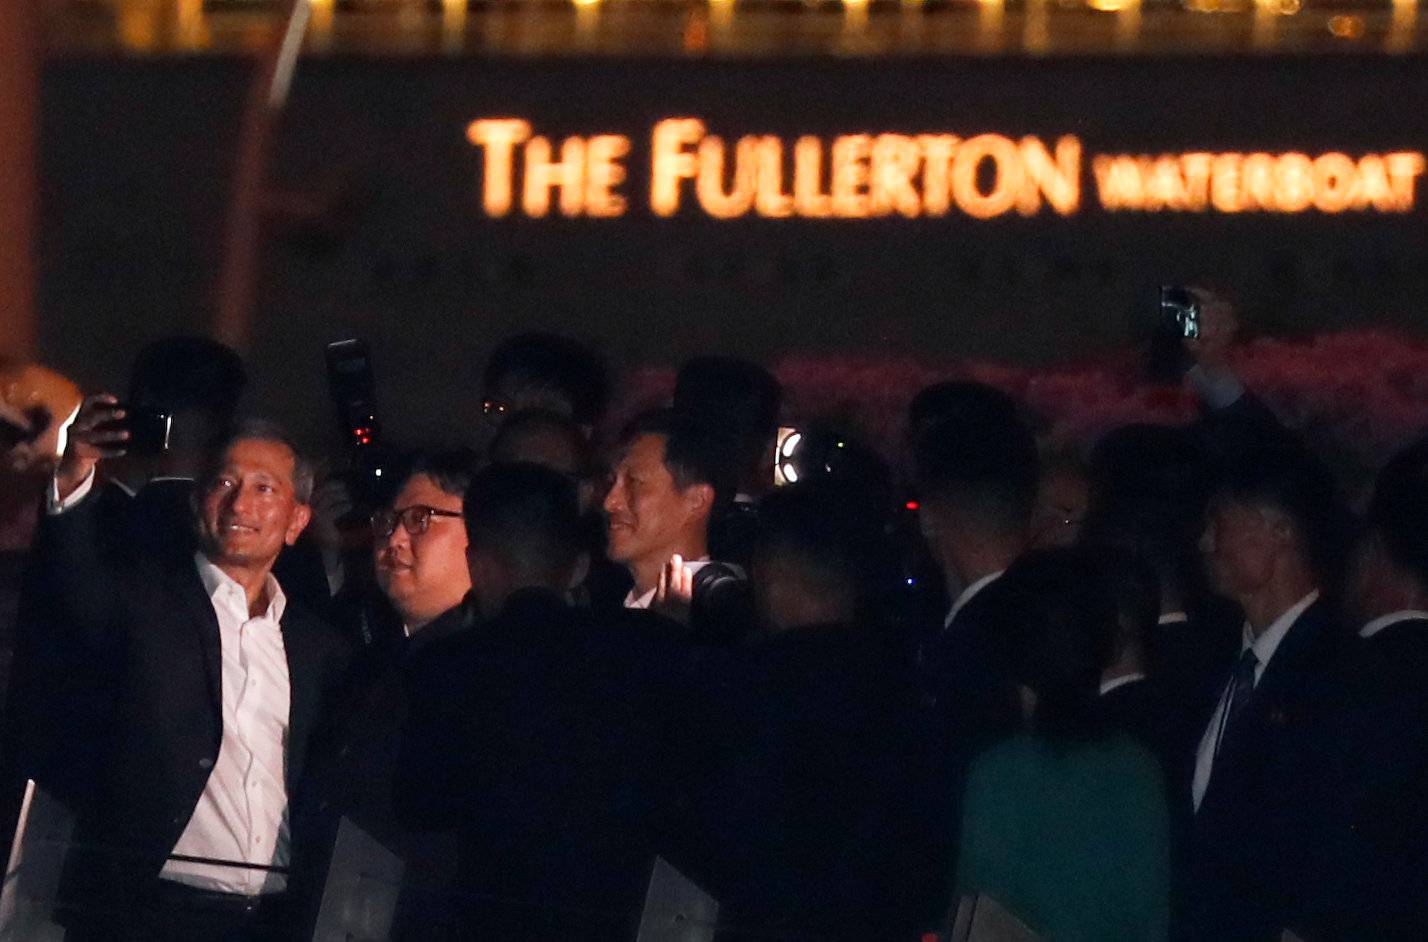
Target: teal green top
(1074, 843)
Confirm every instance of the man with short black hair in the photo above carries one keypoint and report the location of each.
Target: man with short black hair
(669, 478)
(807, 820)
(977, 476)
(1373, 853)
(532, 734)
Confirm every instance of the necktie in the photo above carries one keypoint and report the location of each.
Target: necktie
(1241, 688)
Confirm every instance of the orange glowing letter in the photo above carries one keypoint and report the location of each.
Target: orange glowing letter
(850, 175)
(895, 160)
(541, 174)
(603, 172)
(709, 187)
(671, 161)
(1059, 180)
(499, 137)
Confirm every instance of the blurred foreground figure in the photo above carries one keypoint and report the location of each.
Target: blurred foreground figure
(534, 734)
(1065, 824)
(194, 688)
(809, 817)
(36, 404)
(1372, 856)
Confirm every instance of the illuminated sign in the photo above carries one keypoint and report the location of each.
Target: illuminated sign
(867, 176)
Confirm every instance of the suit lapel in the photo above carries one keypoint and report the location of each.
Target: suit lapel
(205, 623)
(304, 686)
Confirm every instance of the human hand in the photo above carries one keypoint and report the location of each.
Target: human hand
(93, 436)
(675, 590)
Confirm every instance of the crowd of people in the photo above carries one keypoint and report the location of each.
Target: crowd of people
(1169, 689)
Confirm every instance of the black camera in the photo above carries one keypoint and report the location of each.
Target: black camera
(353, 387)
(721, 610)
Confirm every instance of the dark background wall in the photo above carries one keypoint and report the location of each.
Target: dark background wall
(376, 229)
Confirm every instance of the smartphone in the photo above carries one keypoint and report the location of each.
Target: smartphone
(149, 429)
(1180, 306)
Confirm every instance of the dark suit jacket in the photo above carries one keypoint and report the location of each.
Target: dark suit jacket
(1369, 854)
(143, 634)
(809, 816)
(1243, 876)
(534, 734)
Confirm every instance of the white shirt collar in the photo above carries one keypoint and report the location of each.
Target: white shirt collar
(1173, 618)
(970, 593)
(639, 601)
(1268, 642)
(216, 581)
(1391, 619)
(693, 565)
(1116, 683)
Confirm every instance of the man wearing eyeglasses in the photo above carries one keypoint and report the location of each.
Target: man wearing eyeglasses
(419, 554)
(420, 544)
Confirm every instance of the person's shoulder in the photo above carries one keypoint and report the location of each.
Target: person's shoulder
(297, 619)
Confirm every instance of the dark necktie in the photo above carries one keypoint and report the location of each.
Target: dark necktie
(1241, 688)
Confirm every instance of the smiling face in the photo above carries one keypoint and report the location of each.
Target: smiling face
(650, 518)
(248, 509)
(424, 574)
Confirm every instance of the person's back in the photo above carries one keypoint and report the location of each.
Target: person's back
(1065, 824)
(1073, 841)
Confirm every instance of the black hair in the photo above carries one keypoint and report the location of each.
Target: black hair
(1289, 479)
(304, 474)
(696, 450)
(1052, 620)
(985, 462)
(450, 470)
(553, 362)
(525, 515)
(186, 373)
(1398, 511)
(526, 425)
(838, 535)
(961, 401)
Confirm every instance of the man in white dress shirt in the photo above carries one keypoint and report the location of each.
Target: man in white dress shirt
(212, 687)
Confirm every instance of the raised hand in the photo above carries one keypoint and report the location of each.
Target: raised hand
(675, 590)
(95, 434)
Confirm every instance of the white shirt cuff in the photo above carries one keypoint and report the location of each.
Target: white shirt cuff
(54, 506)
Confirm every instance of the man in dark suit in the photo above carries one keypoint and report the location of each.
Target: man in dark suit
(1274, 541)
(419, 555)
(530, 733)
(812, 815)
(206, 689)
(977, 474)
(1372, 839)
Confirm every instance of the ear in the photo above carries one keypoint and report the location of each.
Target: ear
(302, 515)
(698, 499)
